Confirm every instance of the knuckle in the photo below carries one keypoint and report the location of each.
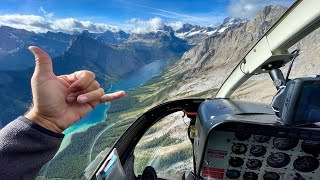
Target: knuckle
(90, 96)
(96, 94)
(101, 91)
(76, 94)
(81, 85)
(96, 85)
(85, 73)
(90, 74)
(77, 73)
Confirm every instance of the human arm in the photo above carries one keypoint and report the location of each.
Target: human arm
(58, 102)
(25, 147)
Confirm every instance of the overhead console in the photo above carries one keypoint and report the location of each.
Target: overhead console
(236, 140)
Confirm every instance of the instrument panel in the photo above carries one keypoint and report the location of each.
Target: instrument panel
(240, 155)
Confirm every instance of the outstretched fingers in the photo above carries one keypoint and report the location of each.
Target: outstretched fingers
(112, 96)
(96, 97)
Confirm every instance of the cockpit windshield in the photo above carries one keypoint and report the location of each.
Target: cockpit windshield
(156, 51)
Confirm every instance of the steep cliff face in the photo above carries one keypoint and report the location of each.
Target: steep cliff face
(208, 64)
(113, 60)
(94, 54)
(113, 37)
(162, 39)
(14, 54)
(11, 38)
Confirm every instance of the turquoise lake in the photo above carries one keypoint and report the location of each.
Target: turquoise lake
(133, 80)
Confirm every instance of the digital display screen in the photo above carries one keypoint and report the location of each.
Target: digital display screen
(308, 105)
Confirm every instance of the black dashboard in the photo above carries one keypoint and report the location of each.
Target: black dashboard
(241, 140)
(233, 155)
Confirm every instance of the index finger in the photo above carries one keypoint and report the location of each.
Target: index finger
(112, 96)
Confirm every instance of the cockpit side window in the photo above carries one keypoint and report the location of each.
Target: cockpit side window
(165, 147)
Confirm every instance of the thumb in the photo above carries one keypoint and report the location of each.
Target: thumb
(43, 61)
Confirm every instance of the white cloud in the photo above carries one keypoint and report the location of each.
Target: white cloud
(249, 8)
(45, 13)
(44, 24)
(28, 22)
(74, 25)
(139, 26)
(41, 24)
(176, 25)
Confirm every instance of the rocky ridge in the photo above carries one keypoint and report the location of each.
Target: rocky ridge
(195, 34)
(97, 55)
(14, 42)
(208, 64)
(14, 54)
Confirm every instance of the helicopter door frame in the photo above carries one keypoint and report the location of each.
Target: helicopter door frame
(130, 138)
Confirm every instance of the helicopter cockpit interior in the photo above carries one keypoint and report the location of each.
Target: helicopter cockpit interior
(260, 147)
(234, 139)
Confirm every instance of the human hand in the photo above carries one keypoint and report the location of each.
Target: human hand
(60, 101)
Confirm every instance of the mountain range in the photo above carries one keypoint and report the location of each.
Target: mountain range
(195, 34)
(14, 42)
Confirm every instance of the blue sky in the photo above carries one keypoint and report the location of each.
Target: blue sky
(124, 14)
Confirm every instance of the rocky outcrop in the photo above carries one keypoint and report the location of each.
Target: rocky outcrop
(208, 64)
(163, 39)
(11, 38)
(14, 53)
(195, 34)
(95, 55)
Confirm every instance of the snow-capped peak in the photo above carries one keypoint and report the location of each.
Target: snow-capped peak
(195, 33)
